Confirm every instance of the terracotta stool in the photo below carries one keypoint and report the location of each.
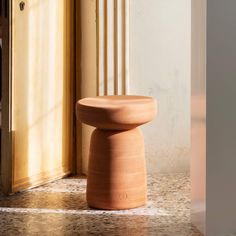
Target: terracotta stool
(117, 170)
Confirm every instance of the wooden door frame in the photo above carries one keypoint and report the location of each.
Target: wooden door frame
(6, 129)
(7, 135)
(77, 86)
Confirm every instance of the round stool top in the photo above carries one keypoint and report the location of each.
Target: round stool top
(121, 112)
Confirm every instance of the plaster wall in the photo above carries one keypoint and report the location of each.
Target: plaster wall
(160, 66)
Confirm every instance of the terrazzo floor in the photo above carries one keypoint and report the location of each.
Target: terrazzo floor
(59, 208)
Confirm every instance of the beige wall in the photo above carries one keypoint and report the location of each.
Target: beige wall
(160, 43)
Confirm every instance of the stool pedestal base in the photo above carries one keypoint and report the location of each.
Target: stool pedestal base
(117, 170)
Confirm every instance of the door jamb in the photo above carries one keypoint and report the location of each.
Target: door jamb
(77, 85)
(6, 137)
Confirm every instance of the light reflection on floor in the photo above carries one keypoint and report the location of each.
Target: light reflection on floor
(59, 208)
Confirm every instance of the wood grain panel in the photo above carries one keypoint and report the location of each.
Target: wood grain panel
(42, 91)
(105, 57)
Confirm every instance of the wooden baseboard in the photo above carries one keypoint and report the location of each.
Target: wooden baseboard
(39, 179)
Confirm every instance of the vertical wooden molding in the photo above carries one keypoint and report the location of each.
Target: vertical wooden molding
(78, 82)
(111, 54)
(105, 47)
(123, 47)
(98, 44)
(116, 42)
(72, 117)
(6, 129)
(119, 50)
(127, 29)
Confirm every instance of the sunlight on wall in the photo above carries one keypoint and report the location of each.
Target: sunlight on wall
(45, 117)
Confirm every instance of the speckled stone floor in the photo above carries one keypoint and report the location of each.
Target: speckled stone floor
(59, 208)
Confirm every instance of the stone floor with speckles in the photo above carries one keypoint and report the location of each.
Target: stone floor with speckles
(59, 208)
